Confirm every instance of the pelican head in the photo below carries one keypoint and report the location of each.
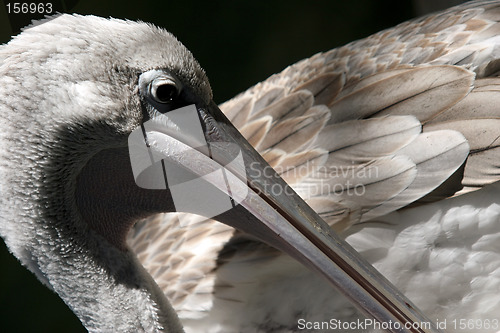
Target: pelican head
(74, 93)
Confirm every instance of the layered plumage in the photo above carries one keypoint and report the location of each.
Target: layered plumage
(402, 118)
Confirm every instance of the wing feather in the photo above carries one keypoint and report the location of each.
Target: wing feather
(292, 134)
(483, 136)
(422, 91)
(324, 87)
(257, 130)
(362, 140)
(351, 119)
(288, 107)
(437, 155)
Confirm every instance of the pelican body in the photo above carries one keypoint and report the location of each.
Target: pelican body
(391, 140)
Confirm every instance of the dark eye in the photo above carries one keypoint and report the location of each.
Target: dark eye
(163, 90)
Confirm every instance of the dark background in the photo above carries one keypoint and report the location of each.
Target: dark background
(239, 44)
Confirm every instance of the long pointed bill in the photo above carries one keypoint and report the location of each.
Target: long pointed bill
(213, 171)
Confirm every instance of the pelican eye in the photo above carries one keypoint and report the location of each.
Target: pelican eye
(163, 90)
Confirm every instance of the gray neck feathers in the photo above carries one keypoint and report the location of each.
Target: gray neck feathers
(52, 122)
(106, 288)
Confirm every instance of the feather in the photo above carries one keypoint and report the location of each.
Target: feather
(482, 102)
(291, 134)
(338, 216)
(482, 168)
(288, 107)
(484, 139)
(268, 97)
(293, 168)
(238, 113)
(437, 156)
(324, 87)
(417, 91)
(361, 186)
(363, 140)
(256, 131)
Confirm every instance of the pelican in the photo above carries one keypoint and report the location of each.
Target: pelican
(373, 136)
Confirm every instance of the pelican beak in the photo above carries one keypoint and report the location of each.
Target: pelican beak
(211, 170)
